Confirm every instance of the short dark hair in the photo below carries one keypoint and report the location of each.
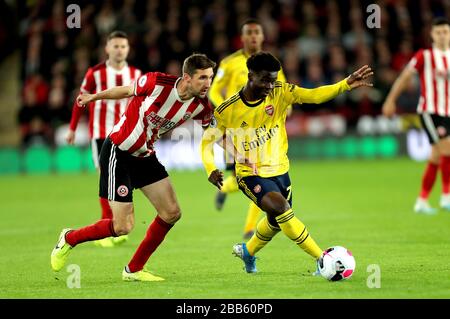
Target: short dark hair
(197, 61)
(117, 34)
(440, 21)
(263, 61)
(250, 21)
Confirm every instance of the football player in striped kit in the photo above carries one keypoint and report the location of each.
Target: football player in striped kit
(103, 115)
(160, 102)
(433, 67)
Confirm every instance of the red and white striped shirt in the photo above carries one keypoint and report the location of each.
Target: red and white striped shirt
(103, 114)
(156, 109)
(433, 66)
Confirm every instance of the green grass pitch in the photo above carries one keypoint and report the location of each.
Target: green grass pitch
(365, 206)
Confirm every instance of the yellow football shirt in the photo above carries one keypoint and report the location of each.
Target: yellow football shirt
(231, 76)
(257, 129)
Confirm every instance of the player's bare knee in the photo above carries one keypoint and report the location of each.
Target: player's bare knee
(175, 217)
(123, 228)
(280, 208)
(435, 155)
(172, 215)
(122, 231)
(123, 221)
(274, 204)
(444, 147)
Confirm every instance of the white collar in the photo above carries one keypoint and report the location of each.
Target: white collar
(441, 51)
(108, 64)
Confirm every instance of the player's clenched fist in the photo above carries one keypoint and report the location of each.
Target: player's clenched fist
(216, 178)
(84, 99)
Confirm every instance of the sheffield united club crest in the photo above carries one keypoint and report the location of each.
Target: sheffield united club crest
(122, 191)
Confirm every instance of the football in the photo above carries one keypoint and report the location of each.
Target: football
(337, 263)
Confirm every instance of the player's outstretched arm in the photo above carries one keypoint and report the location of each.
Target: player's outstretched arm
(359, 77)
(117, 93)
(327, 92)
(389, 107)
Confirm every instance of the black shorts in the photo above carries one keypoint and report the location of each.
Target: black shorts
(121, 173)
(255, 187)
(437, 127)
(96, 147)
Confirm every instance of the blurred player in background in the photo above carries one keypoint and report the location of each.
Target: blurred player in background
(433, 67)
(128, 160)
(103, 115)
(262, 164)
(230, 78)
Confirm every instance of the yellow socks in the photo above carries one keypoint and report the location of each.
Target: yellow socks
(293, 228)
(252, 217)
(230, 185)
(264, 233)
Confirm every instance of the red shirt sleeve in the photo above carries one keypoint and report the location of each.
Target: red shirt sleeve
(87, 86)
(77, 110)
(145, 84)
(417, 61)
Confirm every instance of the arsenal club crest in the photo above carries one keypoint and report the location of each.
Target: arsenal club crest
(269, 110)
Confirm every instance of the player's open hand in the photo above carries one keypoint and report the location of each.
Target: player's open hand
(216, 178)
(84, 99)
(358, 78)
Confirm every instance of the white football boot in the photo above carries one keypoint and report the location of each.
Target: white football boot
(445, 202)
(423, 207)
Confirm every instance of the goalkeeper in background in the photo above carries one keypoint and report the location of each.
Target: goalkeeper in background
(230, 78)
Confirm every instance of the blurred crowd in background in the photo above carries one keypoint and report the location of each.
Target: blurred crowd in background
(318, 43)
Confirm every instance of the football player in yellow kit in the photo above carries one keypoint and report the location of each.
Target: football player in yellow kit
(230, 78)
(254, 121)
